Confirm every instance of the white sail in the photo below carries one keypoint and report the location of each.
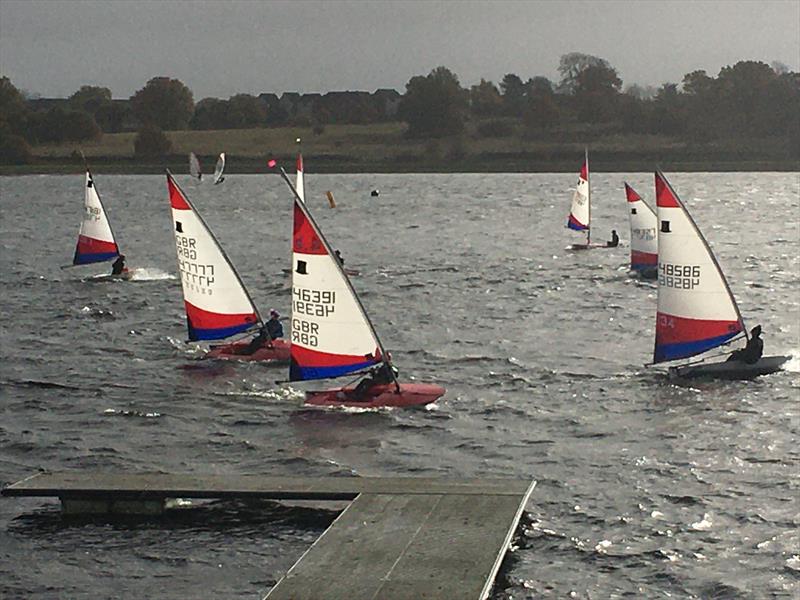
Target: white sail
(300, 185)
(217, 303)
(644, 236)
(194, 167)
(696, 309)
(95, 240)
(331, 334)
(219, 169)
(580, 211)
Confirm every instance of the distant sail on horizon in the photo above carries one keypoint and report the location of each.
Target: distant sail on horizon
(219, 169)
(194, 167)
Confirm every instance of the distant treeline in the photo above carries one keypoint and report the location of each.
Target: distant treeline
(747, 100)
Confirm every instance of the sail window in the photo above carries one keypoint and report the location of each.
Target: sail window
(665, 227)
(301, 267)
(178, 227)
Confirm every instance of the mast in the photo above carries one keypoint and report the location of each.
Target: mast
(588, 197)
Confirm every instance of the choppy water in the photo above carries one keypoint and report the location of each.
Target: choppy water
(646, 489)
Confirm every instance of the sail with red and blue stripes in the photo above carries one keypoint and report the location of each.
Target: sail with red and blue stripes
(696, 309)
(644, 237)
(96, 241)
(331, 334)
(216, 301)
(579, 214)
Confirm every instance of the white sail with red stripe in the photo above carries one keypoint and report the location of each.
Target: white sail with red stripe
(96, 241)
(331, 334)
(644, 237)
(580, 211)
(216, 301)
(696, 309)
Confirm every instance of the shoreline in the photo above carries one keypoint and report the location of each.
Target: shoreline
(477, 164)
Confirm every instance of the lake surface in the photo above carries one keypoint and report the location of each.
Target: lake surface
(646, 489)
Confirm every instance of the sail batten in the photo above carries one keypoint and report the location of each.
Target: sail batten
(696, 308)
(96, 241)
(216, 301)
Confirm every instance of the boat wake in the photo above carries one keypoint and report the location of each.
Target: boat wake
(150, 274)
(793, 366)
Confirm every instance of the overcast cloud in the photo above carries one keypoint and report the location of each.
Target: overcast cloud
(220, 48)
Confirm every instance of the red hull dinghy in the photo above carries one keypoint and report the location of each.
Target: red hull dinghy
(332, 336)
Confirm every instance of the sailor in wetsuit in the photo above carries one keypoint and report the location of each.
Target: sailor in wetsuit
(752, 352)
(380, 375)
(274, 326)
(614, 239)
(271, 330)
(258, 342)
(339, 257)
(118, 267)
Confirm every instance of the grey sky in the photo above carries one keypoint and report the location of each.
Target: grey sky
(219, 48)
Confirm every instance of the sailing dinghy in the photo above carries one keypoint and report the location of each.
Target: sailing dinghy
(580, 214)
(644, 239)
(96, 242)
(219, 169)
(332, 335)
(697, 311)
(217, 304)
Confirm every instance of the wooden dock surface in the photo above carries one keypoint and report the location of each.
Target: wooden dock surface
(400, 538)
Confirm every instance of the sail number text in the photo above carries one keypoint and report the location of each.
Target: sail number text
(684, 277)
(197, 277)
(304, 332)
(645, 234)
(309, 303)
(92, 213)
(313, 302)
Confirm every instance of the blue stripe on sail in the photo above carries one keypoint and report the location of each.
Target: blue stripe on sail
(666, 352)
(298, 373)
(643, 267)
(196, 334)
(573, 223)
(85, 259)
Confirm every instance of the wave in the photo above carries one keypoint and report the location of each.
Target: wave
(151, 274)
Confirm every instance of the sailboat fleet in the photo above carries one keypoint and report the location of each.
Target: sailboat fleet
(332, 335)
